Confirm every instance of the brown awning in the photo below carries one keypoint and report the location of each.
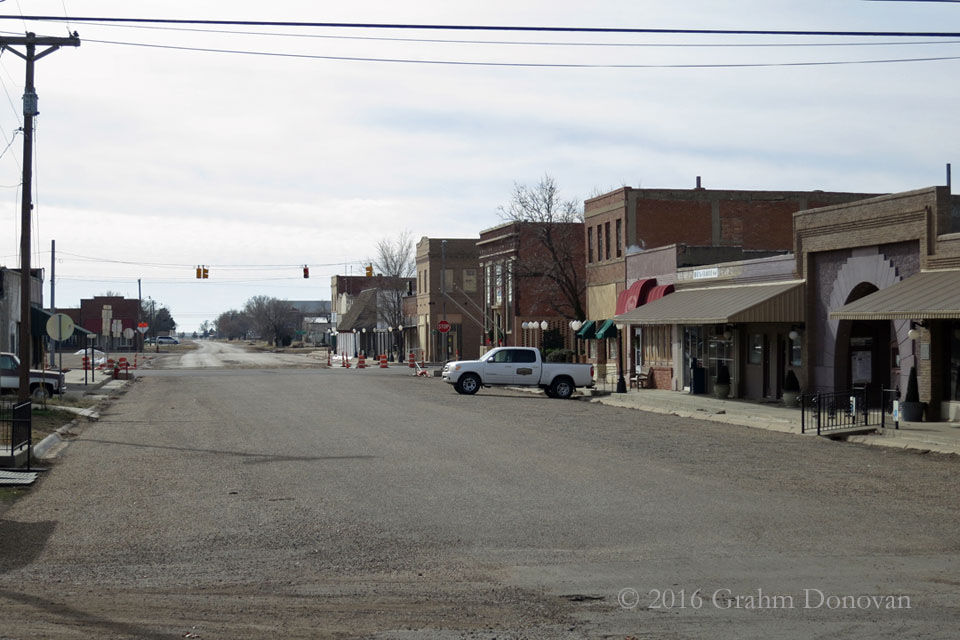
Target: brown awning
(929, 295)
(779, 302)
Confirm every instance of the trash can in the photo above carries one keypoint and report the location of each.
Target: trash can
(698, 378)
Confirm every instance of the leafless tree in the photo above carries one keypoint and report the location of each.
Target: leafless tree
(396, 262)
(556, 263)
(273, 318)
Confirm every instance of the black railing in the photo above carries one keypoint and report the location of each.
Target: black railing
(16, 433)
(839, 411)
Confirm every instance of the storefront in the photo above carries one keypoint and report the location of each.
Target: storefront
(927, 308)
(745, 329)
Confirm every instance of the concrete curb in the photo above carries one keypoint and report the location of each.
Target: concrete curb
(40, 450)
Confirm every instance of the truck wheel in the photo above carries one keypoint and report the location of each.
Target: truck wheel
(562, 388)
(468, 384)
(41, 392)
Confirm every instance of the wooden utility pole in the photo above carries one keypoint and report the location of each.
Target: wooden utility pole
(30, 43)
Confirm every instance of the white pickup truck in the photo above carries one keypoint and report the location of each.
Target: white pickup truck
(517, 367)
(42, 383)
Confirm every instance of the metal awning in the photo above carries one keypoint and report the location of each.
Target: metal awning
(777, 302)
(929, 295)
(586, 329)
(604, 329)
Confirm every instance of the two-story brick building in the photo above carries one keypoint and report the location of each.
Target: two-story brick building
(519, 285)
(450, 289)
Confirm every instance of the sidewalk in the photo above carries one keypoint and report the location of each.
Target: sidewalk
(942, 437)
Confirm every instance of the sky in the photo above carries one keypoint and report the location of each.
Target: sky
(151, 160)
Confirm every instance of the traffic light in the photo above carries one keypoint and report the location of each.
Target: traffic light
(369, 269)
(199, 272)
(306, 271)
(206, 272)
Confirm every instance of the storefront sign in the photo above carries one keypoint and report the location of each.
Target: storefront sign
(703, 274)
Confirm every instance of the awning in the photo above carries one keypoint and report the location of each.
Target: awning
(604, 330)
(930, 295)
(779, 302)
(658, 292)
(635, 295)
(586, 331)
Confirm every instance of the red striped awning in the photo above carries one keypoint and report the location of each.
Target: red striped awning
(658, 292)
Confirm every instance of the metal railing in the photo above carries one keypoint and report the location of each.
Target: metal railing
(16, 433)
(838, 411)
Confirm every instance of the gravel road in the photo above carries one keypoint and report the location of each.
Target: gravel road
(315, 503)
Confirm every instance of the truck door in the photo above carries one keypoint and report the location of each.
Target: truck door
(527, 370)
(499, 367)
(10, 372)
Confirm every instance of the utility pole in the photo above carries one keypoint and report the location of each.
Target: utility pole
(443, 291)
(30, 42)
(53, 295)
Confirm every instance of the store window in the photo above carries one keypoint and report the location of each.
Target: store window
(606, 238)
(953, 370)
(599, 243)
(590, 244)
(756, 349)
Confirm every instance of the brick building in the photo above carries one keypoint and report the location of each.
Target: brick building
(450, 287)
(649, 218)
(879, 271)
(511, 257)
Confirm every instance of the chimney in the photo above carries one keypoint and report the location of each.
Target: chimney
(698, 183)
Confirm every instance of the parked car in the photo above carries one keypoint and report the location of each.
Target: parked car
(517, 367)
(167, 340)
(42, 383)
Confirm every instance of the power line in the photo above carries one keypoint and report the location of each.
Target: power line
(539, 65)
(507, 28)
(526, 42)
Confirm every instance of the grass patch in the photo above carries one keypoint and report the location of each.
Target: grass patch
(46, 421)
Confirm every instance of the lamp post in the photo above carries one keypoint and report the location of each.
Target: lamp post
(575, 326)
(621, 383)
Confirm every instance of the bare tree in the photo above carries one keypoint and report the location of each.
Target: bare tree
(555, 265)
(396, 262)
(273, 319)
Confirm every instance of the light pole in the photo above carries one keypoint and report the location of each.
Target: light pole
(575, 326)
(621, 383)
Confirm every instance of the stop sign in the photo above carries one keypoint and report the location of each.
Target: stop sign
(443, 326)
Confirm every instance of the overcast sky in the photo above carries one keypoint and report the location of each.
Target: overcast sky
(150, 161)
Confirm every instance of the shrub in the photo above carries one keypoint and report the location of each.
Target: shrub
(913, 388)
(723, 374)
(560, 355)
(790, 382)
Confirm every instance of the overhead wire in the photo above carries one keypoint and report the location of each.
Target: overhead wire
(523, 42)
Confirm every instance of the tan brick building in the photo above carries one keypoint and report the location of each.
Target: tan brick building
(450, 288)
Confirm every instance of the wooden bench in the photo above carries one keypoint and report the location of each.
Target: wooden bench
(640, 379)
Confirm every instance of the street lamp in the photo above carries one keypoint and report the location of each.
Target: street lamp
(621, 383)
(575, 326)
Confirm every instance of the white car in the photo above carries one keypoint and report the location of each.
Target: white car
(167, 340)
(517, 367)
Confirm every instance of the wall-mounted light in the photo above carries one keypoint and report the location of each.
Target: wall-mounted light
(914, 333)
(794, 335)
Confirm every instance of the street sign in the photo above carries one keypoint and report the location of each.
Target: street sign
(443, 326)
(60, 326)
(142, 327)
(128, 333)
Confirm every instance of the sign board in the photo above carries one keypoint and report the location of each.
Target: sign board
(443, 326)
(128, 333)
(142, 327)
(702, 274)
(60, 326)
(117, 328)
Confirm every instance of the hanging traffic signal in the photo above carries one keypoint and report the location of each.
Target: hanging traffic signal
(199, 272)
(206, 272)
(306, 271)
(369, 269)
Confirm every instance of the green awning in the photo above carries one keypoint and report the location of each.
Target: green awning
(606, 330)
(586, 330)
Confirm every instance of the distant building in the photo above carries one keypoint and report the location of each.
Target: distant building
(363, 314)
(449, 288)
(514, 294)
